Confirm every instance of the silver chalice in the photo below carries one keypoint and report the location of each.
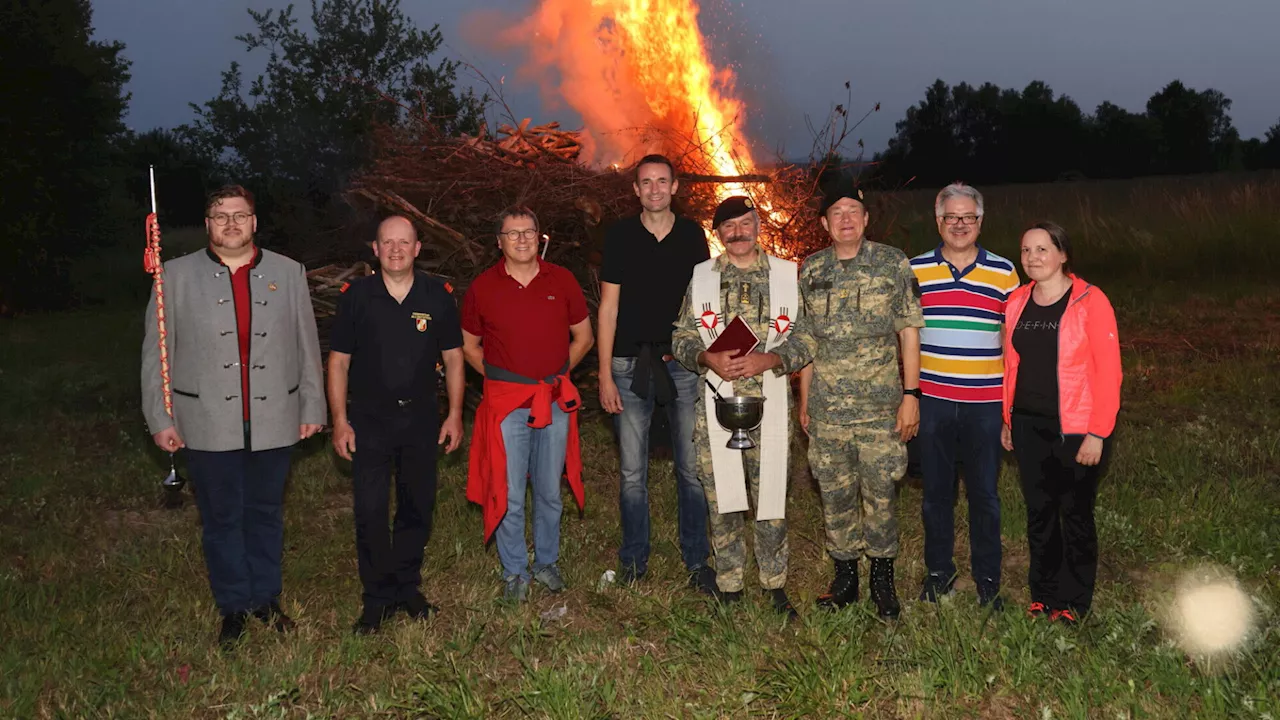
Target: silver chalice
(739, 414)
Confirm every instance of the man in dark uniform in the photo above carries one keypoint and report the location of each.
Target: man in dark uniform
(389, 331)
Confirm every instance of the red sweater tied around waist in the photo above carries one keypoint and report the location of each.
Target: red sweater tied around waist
(487, 470)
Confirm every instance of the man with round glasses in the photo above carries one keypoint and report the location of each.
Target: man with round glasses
(963, 292)
(524, 327)
(246, 387)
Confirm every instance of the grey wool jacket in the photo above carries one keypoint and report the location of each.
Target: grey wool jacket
(286, 387)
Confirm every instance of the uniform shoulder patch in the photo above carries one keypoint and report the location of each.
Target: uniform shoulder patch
(448, 287)
(345, 287)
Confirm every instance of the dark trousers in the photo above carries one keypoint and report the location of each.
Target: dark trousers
(240, 495)
(390, 555)
(970, 433)
(1060, 494)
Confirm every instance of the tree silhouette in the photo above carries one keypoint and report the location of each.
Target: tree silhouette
(304, 126)
(61, 103)
(1193, 126)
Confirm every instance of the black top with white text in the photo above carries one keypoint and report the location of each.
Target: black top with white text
(1035, 338)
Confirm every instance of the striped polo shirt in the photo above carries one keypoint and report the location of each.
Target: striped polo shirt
(960, 352)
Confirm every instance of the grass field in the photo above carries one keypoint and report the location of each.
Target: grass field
(105, 609)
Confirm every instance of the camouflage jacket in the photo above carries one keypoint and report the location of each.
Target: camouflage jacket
(743, 292)
(853, 312)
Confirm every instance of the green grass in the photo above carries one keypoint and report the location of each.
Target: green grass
(105, 610)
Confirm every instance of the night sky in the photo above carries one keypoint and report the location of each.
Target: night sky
(794, 56)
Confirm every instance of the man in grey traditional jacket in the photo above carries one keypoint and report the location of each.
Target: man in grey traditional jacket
(244, 363)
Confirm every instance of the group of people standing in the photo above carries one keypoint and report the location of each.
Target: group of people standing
(947, 346)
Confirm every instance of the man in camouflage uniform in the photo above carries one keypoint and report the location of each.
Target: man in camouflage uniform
(744, 291)
(859, 300)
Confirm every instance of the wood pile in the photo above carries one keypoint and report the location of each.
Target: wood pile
(523, 144)
(326, 285)
(453, 188)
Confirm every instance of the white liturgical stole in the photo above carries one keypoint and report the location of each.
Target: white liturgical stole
(726, 464)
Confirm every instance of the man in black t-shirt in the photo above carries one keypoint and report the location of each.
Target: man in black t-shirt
(388, 334)
(648, 262)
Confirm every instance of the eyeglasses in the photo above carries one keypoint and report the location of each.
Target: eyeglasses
(221, 219)
(514, 235)
(960, 219)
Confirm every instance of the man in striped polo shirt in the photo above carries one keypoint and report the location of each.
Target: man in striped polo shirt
(964, 288)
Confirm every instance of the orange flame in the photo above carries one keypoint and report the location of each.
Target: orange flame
(631, 66)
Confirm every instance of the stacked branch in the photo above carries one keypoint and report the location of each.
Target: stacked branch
(453, 187)
(524, 144)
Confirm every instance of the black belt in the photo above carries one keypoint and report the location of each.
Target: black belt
(493, 372)
(651, 366)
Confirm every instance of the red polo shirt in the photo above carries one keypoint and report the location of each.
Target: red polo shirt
(524, 328)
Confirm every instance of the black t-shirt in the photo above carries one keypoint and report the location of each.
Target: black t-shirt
(1035, 338)
(394, 346)
(654, 277)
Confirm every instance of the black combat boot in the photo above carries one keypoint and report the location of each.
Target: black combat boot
(781, 604)
(882, 591)
(844, 586)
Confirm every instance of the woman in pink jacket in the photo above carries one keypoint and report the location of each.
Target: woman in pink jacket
(1061, 395)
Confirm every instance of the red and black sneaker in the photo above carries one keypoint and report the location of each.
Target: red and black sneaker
(1037, 610)
(1067, 617)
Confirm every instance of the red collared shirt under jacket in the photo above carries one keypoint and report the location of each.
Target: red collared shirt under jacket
(487, 472)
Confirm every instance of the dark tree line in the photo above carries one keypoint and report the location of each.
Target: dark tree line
(75, 178)
(62, 101)
(986, 134)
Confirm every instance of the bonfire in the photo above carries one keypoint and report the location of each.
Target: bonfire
(639, 75)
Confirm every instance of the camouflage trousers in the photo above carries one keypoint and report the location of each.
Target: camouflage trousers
(856, 467)
(728, 531)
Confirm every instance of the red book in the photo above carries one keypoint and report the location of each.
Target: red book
(738, 337)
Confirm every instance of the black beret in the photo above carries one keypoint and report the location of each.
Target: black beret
(732, 207)
(839, 190)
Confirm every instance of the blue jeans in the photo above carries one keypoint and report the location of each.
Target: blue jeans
(534, 456)
(969, 432)
(240, 495)
(633, 440)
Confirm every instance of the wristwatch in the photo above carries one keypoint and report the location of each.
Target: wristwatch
(915, 392)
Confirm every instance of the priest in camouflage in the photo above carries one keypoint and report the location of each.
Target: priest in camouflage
(744, 291)
(860, 302)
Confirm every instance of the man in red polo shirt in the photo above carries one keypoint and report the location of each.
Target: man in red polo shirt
(524, 327)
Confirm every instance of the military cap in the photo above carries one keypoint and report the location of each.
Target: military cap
(840, 189)
(732, 207)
